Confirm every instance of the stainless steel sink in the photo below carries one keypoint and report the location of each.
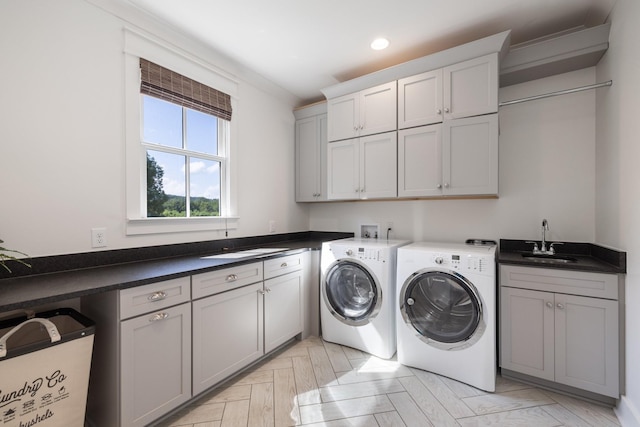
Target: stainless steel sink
(555, 258)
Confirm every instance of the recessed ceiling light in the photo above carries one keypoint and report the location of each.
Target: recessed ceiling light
(379, 44)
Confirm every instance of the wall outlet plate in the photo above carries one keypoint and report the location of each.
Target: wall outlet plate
(98, 237)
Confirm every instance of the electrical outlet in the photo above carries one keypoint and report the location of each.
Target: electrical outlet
(98, 237)
(389, 226)
(272, 226)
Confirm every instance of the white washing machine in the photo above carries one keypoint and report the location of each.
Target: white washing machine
(358, 302)
(446, 317)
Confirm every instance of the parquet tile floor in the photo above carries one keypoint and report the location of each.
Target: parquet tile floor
(316, 383)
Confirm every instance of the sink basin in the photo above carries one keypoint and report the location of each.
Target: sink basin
(246, 253)
(549, 258)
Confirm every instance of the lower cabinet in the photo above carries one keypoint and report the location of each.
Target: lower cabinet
(227, 334)
(155, 364)
(157, 346)
(567, 339)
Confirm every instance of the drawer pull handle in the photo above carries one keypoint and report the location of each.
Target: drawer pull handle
(560, 306)
(158, 316)
(284, 264)
(268, 290)
(157, 296)
(549, 304)
(232, 277)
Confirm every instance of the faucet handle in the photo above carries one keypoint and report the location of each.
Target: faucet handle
(551, 248)
(535, 246)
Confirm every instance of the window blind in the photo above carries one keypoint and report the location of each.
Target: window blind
(170, 86)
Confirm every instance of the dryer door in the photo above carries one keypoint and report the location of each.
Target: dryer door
(443, 308)
(351, 292)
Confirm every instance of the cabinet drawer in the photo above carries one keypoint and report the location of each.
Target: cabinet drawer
(282, 265)
(218, 281)
(599, 285)
(143, 299)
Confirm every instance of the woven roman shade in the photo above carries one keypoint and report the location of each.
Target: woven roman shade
(170, 86)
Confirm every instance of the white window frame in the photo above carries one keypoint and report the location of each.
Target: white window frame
(138, 45)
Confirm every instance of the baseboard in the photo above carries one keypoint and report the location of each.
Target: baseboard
(628, 415)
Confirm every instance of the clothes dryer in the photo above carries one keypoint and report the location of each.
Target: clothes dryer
(357, 307)
(446, 317)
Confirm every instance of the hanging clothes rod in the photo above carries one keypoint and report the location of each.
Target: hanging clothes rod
(560, 92)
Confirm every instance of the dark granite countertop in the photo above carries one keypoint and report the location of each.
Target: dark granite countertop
(588, 256)
(54, 281)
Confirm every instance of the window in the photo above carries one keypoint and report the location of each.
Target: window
(185, 132)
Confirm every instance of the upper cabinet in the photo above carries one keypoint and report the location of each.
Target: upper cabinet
(367, 112)
(465, 89)
(363, 168)
(311, 154)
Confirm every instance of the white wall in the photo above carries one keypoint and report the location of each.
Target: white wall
(547, 170)
(618, 177)
(62, 133)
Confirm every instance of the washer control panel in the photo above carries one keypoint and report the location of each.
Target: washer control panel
(358, 252)
(470, 263)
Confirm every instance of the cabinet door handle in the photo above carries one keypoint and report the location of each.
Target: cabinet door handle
(549, 304)
(439, 186)
(560, 306)
(157, 296)
(446, 185)
(261, 292)
(268, 290)
(446, 109)
(438, 111)
(284, 264)
(158, 316)
(231, 278)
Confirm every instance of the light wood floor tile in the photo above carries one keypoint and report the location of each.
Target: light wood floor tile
(337, 357)
(351, 391)
(365, 391)
(236, 414)
(427, 402)
(285, 399)
(306, 384)
(256, 377)
(353, 353)
(345, 409)
(596, 415)
(528, 417)
(461, 389)
(508, 401)
(409, 410)
(389, 419)
(261, 413)
(449, 400)
(228, 394)
(565, 416)
(197, 414)
(365, 421)
(322, 368)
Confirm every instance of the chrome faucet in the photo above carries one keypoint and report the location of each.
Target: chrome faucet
(543, 243)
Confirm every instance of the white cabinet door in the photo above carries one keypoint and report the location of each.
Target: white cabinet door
(420, 100)
(227, 334)
(343, 170)
(471, 87)
(470, 156)
(378, 166)
(282, 309)
(378, 107)
(311, 140)
(420, 161)
(527, 332)
(367, 112)
(155, 375)
(363, 168)
(344, 117)
(586, 343)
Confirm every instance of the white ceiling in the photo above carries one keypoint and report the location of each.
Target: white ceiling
(306, 45)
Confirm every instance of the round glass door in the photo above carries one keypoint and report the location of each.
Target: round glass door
(442, 307)
(351, 292)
